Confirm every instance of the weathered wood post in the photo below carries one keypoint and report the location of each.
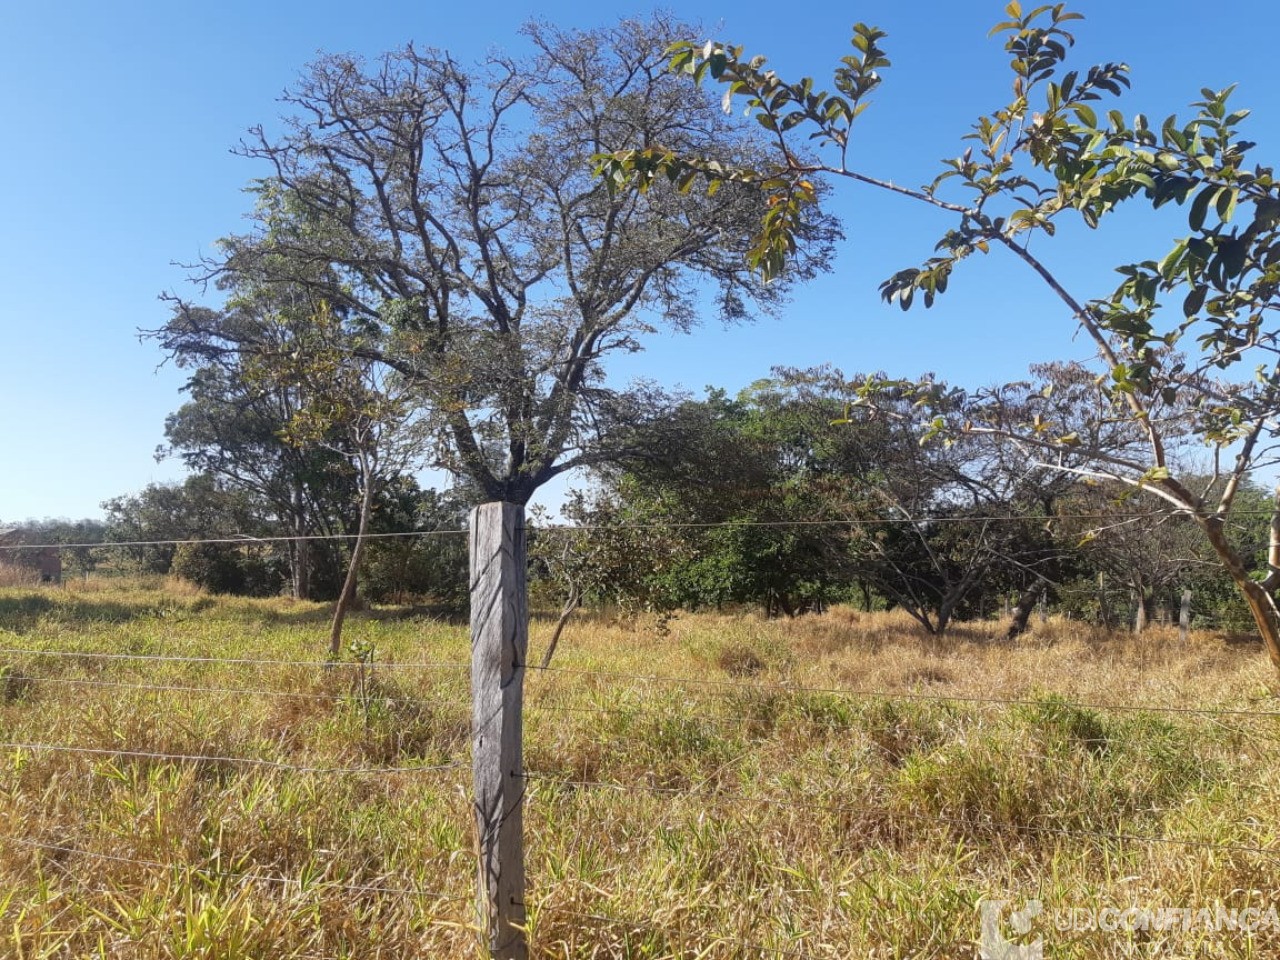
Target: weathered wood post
(499, 649)
(1104, 608)
(1184, 617)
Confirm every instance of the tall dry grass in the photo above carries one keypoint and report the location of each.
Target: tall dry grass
(16, 575)
(835, 786)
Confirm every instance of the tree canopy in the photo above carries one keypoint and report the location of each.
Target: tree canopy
(449, 215)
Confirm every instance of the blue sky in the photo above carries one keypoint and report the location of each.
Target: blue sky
(116, 163)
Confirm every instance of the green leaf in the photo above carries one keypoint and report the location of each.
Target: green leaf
(1173, 260)
(1195, 300)
(1226, 203)
(1200, 207)
(1231, 255)
(1154, 474)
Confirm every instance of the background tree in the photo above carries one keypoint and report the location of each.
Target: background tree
(454, 212)
(232, 428)
(428, 567)
(791, 496)
(351, 406)
(199, 508)
(747, 485)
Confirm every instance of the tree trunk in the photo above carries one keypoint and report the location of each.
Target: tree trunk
(1142, 616)
(784, 603)
(348, 595)
(571, 603)
(1262, 603)
(1022, 610)
(301, 553)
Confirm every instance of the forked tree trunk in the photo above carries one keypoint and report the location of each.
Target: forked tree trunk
(1022, 611)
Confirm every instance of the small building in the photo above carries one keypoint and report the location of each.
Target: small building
(47, 561)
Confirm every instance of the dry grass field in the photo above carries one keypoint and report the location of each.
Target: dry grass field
(720, 786)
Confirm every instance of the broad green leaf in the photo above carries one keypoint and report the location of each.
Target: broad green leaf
(1200, 207)
(1194, 300)
(1226, 203)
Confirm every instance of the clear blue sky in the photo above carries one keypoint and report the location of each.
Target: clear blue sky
(115, 163)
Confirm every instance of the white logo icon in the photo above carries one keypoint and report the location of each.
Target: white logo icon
(994, 946)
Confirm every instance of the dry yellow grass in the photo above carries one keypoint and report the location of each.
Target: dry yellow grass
(834, 786)
(15, 575)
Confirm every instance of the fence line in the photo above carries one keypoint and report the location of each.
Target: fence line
(739, 720)
(226, 661)
(244, 691)
(243, 540)
(505, 810)
(831, 723)
(891, 813)
(250, 540)
(786, 688)
(244, 761)
(236, 875)
(731, 686)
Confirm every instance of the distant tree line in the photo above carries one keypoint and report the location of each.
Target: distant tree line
(789, 496)
(792, 496)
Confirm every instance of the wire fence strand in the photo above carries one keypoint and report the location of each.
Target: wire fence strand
(237, 874)
(246, 691)
(245, 539)
(891, 813)
(853, 693)
(227, 661)
(729, 686)
(243, 761)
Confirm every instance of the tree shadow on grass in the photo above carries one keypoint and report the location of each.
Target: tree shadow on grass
(22, 614)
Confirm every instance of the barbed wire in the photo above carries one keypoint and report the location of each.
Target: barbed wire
(243, 761)
(246, 691)
(891, 813)
(463, 704)
(787, 688)
(780, 688)
(243, 540)
(250, 540)
(237, 874)
(227, 661)
(829, 723)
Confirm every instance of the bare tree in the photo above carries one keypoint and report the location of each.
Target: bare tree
(454, 216)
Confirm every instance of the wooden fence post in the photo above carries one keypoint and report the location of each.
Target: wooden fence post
(1184, 617)
(499, 649)
(1104, 607)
